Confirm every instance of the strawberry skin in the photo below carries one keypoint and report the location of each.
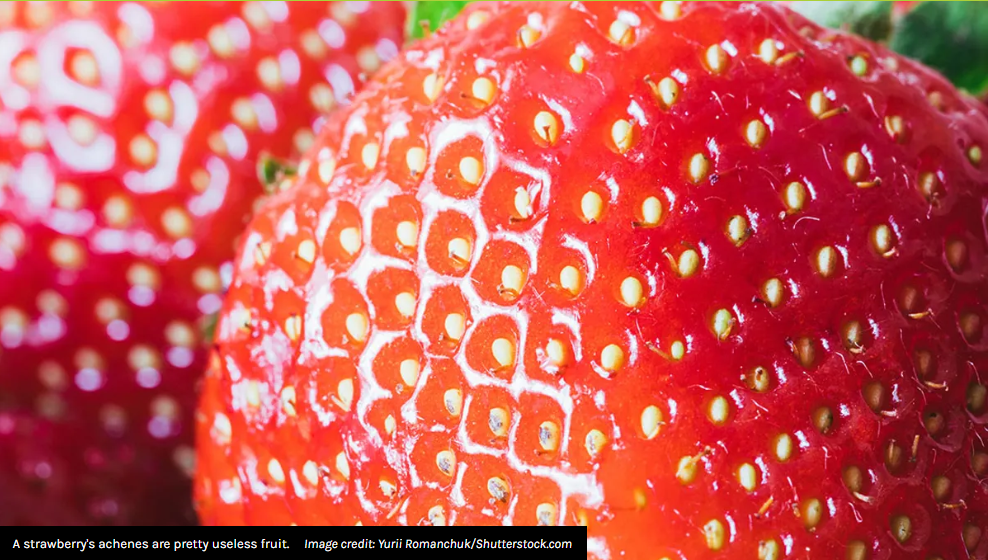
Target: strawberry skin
(705, 278)
(129, 140)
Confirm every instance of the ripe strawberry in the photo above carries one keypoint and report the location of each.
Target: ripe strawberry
(707, 278)
(129, 141)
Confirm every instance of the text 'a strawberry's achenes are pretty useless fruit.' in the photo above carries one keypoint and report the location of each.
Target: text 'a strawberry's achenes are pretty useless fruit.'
(705, 278)
(129, 136)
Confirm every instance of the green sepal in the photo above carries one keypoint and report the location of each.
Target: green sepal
(951, 37)
(430, 16)
(271, 172)
(207, 327)
(872, 20)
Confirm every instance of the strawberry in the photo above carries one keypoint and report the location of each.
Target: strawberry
(129, 140)
(705, 278)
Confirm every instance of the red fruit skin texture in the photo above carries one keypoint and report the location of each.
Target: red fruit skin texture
(129, 140)
(796, 373)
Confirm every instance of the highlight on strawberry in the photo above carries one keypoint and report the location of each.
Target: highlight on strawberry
(706, 278)
(130, 135)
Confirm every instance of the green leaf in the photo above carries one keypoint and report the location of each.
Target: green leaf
(207, 327)
(431, 16)
(951, 37)
(868, 19)
(271, 171)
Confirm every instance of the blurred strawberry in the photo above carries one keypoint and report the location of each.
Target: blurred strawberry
(129, 140)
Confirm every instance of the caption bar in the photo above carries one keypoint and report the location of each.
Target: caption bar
(560, 542)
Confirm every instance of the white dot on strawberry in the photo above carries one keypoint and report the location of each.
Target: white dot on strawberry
(546, 127)
(592, 206)
(577, 63)
(716, 58)
(527, 36)
(699, 167)
(623, 135)
(483, 90)
(755, 133)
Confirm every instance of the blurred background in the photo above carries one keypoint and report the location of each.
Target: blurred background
(130, 139)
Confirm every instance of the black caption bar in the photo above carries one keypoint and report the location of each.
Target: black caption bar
(352, 542)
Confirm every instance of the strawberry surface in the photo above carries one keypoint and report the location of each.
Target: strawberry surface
(705, 278)
(130, 135)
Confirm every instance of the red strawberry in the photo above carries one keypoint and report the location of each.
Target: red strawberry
(706, 278)
(129, 141)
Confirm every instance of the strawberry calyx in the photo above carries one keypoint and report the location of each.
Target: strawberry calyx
(426, 17)
(272, 172)
(872, 20)
(951, 37)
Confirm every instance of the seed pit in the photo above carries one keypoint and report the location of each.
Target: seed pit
(723, 323)
(717, 59)
(975, 155)
(483, 90)
(591, 207)
(699, 167)
(623, 135)
(854, 480)
(926, 364)
(972, 536)
(896, 128)
(577, 63)
(719, 411)
(549, 436)
(758, 379)
(794, 197)
(875, 396)
(687, 470)
(971, 326)
(498, 489)
(632, 292)
(651, 421)
(688, 263)
(930, 186)
(783, 447)
(769, 550)
(823, 420)
(977, 398)
(738, 230)
(811, 511)
(934, 422)
(546, 127)
(979, 463)
(715, 534)
(546, 514)
(748, 477)
(895, 457)
(857, 550)
(941, 487)
(446, 462)
(912, 302)
(957, 255)
(773, 292)
(804, 350)
(498, 421)
(595, 442)
(901, 527)
(883, 240)
(666, 91)
(755, 133)
(853, 336)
